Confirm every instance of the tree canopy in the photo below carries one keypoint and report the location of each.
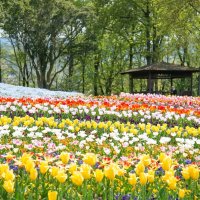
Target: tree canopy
(84, 45)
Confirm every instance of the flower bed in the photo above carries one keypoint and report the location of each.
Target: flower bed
(117, 147)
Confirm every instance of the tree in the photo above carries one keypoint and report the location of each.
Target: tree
(46, 29)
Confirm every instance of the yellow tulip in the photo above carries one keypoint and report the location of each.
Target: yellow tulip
(52, 195)
(72, 168)
(181, 193)
(146, 160)
(9, 175)
(143, 178)
(168, 174)
(61, 176)
(185, 173)
(3, 169)
(25, 157)
(120, 172)
(194, 172)
(64, 156)
(98, 175)
(29, 165)
(172, 183)
(85, 171)
(132, 179)
(110, 172)
(8, 186)
(162, 156)
(139, 168)
(166, 163)
(33, 174)
(150, 176)
(90, 159)
(44, 167)
(77, 178)
(54, 171)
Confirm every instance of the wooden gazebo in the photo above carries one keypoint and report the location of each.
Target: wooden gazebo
(160, 71)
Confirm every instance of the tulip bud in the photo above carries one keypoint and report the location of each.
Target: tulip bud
(166, 163)
(64, 156)
(33, 174)
(181, 193)
(85, 171)
(61, 176)
(90, 159)
(143, 178)
(8, 186)
(44, 167)
(54, 171)
(109, 172)
(98, 175)
(132, 179)
(52, 195)
(77, 178)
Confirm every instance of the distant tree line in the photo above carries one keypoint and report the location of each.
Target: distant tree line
(83, 45)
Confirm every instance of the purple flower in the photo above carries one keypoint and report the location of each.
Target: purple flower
(188, 161)
(126, 197)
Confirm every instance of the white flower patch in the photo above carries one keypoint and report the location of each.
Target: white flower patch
(165, 140)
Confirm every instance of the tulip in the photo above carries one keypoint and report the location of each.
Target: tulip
(90, 159)
(181, 193)
(194, 172)
(77, 178)
(143, 178)
(52, 195)
(172, 183)
(3, 169)
(109, 172)
(54, 171)
(85, 171)
(168, 174)
(132, 179)
(139, 168)
(9, 175)
(64, 156)
(29, 165)
(166, 163)
(8, 186)
(25, 157)
(44, 167)
(162, 156)
(146, 160)
(72, 168)
(150, 176)
(33, 174)
(185, 173)
(61, 176)
(98, 175)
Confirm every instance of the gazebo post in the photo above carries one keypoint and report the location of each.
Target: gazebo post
(149, 83)
(171, 83)
(191, 80)
(131, 83)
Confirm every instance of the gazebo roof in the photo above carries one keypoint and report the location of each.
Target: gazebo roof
(163, 68)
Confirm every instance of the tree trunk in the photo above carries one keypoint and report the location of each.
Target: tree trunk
(71, 67)
(130, 66)
(83, 77)
(96, 74)
(198, 93)
(109, 85)
(0, 62)
(148, 32)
